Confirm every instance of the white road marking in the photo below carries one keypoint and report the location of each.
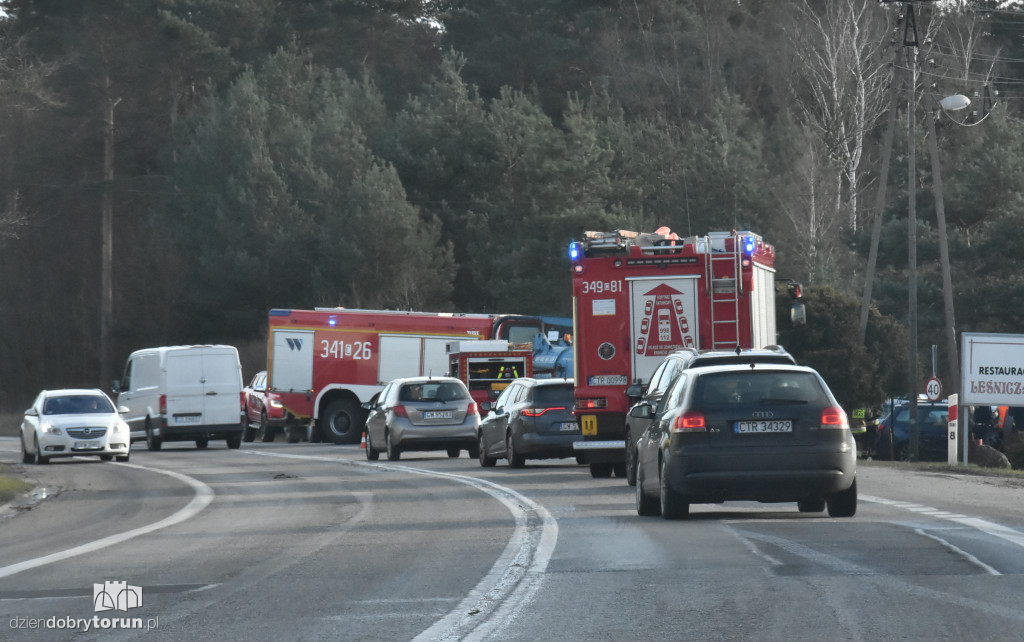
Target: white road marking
(514, 578)
(203, 496)
(959, 551)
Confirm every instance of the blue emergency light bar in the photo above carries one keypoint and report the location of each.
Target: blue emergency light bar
(574, 251)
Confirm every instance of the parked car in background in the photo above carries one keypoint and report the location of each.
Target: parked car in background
(531, 419)
(264, 412)
(933, 428)
(769, 434)
(422, 413)
(665, 374)
(69, 423)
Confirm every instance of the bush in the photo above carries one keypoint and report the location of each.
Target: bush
(1014, 450)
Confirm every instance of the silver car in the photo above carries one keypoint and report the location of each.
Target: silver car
(422, 413)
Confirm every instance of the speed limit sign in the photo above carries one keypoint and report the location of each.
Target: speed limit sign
(933, 389)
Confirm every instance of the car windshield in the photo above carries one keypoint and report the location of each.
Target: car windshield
(753, 387)
(77, 405)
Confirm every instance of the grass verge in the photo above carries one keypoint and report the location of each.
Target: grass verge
(10, 487)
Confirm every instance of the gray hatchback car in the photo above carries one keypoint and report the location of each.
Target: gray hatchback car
(422, 413)
(768, 433)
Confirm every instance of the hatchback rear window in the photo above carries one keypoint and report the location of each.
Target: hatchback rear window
(553, 396)
(745, 387)
(433, 391)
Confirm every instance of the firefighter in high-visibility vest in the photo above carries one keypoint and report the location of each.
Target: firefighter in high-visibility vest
(864, 426)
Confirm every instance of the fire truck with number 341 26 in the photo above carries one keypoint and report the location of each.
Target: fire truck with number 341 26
(637, 297)
(323, 364)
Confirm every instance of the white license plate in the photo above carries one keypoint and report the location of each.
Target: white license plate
(79, 445)
(437, 414)
(764, 426)
(569, 425)
(187, 419)
(608, 380)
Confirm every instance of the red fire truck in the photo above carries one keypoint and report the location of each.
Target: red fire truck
(487, 367)
(638, 297)
(324, 364)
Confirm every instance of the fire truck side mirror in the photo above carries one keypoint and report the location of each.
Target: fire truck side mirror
(798, 313)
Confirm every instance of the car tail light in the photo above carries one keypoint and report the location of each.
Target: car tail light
(400, 411)
(241, 400)
(537, 412)
(591, 404)
(834, 417)
(472, 409)
(163, 404)
(691, 421)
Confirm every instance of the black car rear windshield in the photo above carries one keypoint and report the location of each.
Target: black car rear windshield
(758, 387)
(550, 396)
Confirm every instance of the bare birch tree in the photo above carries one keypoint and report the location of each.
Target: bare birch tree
(841, 91)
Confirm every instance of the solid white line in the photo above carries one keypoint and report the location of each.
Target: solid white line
(203, 497)
(514, 578)
(959, 551)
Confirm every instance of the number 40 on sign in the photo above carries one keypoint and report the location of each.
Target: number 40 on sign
(933, 389)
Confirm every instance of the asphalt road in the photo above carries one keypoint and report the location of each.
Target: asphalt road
(311, 542)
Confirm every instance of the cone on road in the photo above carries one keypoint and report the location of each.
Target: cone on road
(362, 444)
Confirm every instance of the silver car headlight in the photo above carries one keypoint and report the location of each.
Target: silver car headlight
(50, 429)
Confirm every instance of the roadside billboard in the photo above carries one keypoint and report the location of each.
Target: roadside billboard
(992, 369)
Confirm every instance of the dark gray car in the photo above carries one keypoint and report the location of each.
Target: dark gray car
(531, 419)
(665, 375)
(768, 433)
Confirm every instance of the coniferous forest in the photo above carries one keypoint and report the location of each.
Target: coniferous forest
(172, 169)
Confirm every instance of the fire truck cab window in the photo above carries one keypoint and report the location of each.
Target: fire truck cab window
(522, 334)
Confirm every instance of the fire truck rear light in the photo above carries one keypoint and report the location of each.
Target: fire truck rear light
(163, 404)
(590, 404)
(691, 421)
(400, 411)
(537, 412)
(834, 417)
(578, 269)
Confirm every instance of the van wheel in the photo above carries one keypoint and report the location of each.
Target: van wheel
(342, 422)
(152, 441)
(202, 443)
(234, 441)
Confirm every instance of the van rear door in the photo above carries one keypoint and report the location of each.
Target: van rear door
(185, 389)
(203, 388)
(222, 387)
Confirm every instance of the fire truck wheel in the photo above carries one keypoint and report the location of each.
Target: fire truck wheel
(152, 441)
(646, 506)
(619, 468)
(313, 435)
(515, 460)
(601, 470)
(294, 434)
(393, 451)
(342, 422)
(453, 452)
(372, 454)
(673, 505)
(481, 454)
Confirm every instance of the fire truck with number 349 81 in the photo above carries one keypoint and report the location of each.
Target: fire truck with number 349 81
(637, 297)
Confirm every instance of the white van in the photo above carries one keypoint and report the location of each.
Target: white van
(183, 393)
